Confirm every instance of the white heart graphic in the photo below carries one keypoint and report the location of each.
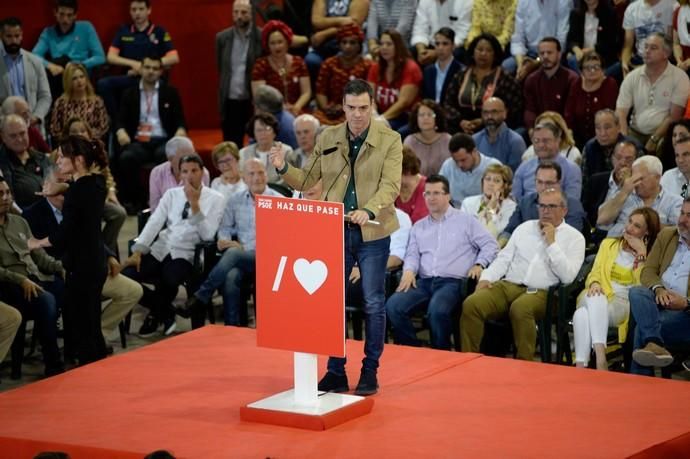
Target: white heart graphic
(310, 275)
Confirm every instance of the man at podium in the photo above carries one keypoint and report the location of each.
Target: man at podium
(359, 163)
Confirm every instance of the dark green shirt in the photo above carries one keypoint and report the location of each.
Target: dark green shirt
(355, 144)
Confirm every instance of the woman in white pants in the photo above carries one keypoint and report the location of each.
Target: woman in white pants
(604, 302)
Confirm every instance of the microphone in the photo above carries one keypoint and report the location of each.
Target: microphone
(326, 152)
(336, 179)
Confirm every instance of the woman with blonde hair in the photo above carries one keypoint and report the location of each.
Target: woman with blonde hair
(226, 158)
(604, 302)
(78, 101)
(567, 146)
(494, 206)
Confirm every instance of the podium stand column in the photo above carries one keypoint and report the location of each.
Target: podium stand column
(306, 379)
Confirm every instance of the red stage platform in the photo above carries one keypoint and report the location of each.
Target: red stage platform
(184, 394)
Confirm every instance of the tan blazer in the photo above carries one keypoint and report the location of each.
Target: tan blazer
(378, 169)
(660, 257)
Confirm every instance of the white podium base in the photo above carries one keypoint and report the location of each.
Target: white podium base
(330, 410)
(326, 403)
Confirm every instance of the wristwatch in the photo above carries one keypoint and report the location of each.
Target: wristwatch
(654, 139)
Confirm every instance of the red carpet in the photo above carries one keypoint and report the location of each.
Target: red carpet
(184, 395)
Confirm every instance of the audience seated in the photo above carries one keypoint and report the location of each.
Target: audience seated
(604, 302)
(384, 15)
(44, 217)
(641, 20)
(567, 147)
(428, 137)
(494, 206)
(444, 248)
(114, 214)
(22, 166)
(167, 175)
(22, 73)
(681, 35)
(28, 280)
(594, 27)
(642, 189)
(493, 17)
(656, 92)
(68, 41)
(660, 305)
(547, 176)
(164, 251)
(590, 93)
(132, 43)
(676, 180)
(237, 48)
(280, 69)
(336, 71)
(497, 140)
(465, 168)
(603, 186)
(237, 240)
(598, 151)
(546, 139)
(541, 253)
(438, 75)
(150, 115)
(263, 128)
(431, 15)
(483, 78)
(10, 320)
(268, 100)
(548, 88)
(17, 105)
(78, 101)
(226, 158)
(395, 78)
(326, 17)
(411, 199)
(535, 20)
(676, 131)
(306, 129)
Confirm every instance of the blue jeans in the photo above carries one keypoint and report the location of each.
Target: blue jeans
(662, 326)
(231, 269)
(439, 296)
(371, 257)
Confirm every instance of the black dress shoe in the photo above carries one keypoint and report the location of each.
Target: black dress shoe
(332, 382)
(54, 369)
(368, 384)
(191, 306)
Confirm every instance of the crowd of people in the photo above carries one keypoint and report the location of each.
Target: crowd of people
(516, 135)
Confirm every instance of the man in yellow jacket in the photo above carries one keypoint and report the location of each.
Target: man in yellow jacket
(359, 163)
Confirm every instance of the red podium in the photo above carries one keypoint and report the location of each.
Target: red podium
(300, 307)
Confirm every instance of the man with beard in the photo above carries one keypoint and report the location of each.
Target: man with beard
(548, 87)
(661, 306)
(22, 73)
(68, 40)
(497, 140)
(237, 48)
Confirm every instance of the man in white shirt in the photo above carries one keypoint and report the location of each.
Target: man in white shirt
(164, 251)
(541, 253)
(434, 14)
(677, 180)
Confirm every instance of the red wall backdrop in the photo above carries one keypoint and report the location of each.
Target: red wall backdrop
(193, 25)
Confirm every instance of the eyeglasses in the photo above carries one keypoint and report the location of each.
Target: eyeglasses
(227, 160)
(591, 68)
(185, 211)
(426, 115)
(429, 194)
(549, 207)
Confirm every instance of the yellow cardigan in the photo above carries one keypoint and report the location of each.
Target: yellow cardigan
(601, 272)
